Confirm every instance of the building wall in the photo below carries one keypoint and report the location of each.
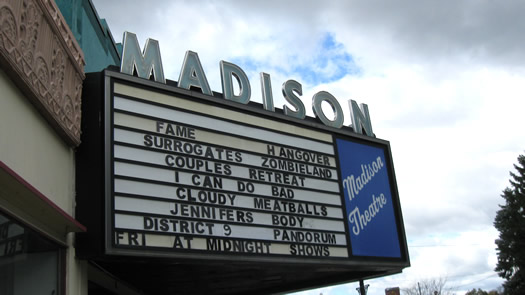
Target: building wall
(45, 51)
(41, 73)
(33, 150)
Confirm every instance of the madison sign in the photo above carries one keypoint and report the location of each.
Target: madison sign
(192, 75)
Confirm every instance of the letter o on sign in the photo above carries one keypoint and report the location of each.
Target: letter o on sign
(318, 99)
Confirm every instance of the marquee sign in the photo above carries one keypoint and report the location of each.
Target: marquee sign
(185, 180)
(149, 65)
(176, 182)
(204, 179)
(369, 200)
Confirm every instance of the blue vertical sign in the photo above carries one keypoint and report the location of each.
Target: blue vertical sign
(368, 200)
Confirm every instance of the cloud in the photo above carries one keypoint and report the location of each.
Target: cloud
(430, 32)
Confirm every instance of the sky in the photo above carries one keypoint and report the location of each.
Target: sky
(444, 82)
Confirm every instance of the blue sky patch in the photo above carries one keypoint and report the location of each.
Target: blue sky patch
(329, 62)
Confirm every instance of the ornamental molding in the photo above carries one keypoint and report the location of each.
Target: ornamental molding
(40, 54)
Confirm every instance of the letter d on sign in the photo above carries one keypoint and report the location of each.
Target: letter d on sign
(229, 70)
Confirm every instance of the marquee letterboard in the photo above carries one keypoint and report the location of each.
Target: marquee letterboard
(192, 178)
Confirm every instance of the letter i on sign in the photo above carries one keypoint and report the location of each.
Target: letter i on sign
(176, 176)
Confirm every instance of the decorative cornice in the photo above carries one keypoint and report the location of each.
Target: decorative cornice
(40, 53)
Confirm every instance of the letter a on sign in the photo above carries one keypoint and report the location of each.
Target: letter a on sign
(192, 74)
(144, 63)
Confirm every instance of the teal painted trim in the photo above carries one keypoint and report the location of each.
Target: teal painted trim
(92, 34)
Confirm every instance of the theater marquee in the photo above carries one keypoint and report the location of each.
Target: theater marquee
(201, 178)
(177, 182)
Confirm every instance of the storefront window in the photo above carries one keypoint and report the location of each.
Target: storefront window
(29, 263)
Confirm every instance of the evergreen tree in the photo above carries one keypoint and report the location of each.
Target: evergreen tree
(510, 222)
